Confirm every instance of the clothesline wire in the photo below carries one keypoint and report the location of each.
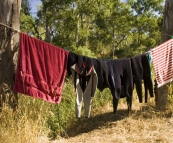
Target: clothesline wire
(16, 30)
(168, 34)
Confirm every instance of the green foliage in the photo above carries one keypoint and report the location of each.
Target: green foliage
(25, 7)
(101, 99)
(62, 115)
(29, 24)
(111, 29)
(26, 20)
(26, 23)
(145, 28)
(84, 51)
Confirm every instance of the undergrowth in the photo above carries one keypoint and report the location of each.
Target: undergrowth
(35, 118)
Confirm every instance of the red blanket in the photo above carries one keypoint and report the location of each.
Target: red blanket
(41, 69)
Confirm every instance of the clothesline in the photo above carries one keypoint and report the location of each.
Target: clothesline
(16, 30)
(169, 35)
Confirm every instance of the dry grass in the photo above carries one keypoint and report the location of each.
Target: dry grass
(17, 130)
(25, 125)
(145, 124)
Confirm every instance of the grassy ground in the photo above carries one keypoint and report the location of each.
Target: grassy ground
(144, 124)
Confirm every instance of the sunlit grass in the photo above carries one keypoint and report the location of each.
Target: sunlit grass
(37, 121)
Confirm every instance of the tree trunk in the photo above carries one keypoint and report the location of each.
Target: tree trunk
(9, 15)
(77, 32)
(167, 32)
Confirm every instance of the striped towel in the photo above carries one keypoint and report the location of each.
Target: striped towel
(162, 57)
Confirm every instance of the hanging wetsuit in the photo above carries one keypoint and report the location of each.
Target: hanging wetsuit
(85, 82)
(116, 73)
(141, 71)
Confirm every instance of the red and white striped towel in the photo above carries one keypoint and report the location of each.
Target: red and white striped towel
(162, 57)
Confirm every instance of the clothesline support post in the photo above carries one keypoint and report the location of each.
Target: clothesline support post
(163, 91)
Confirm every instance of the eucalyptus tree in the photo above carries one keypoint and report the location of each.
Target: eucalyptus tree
(120, 23)
(57, 18)
(68, 23)
(109, 28)
(91, 25)
(27, 22)
(147, 24)
(86, 11)
(162, 92)
(113, 22)
(9, 16)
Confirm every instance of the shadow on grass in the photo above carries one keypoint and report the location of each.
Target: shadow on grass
(109, 119)
(85, 125)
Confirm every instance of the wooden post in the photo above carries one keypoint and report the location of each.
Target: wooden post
(161, 93)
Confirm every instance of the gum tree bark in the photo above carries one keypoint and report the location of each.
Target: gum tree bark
(167, 30)
(167, 33)
(9, 15)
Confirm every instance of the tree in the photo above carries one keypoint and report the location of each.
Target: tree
(25, 7)
(167, 33)
(146, 29)
(27, 22)
(9, 15)
(167, 30)
(110, 29)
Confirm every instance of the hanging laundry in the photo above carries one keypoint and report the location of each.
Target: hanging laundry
(122, 77)
(41, 69)
(115, 74)
(85, 81)
(107, 74)
(73, 58)
(112, 74)
(162, 58)
(85, 90)
(141, 71)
